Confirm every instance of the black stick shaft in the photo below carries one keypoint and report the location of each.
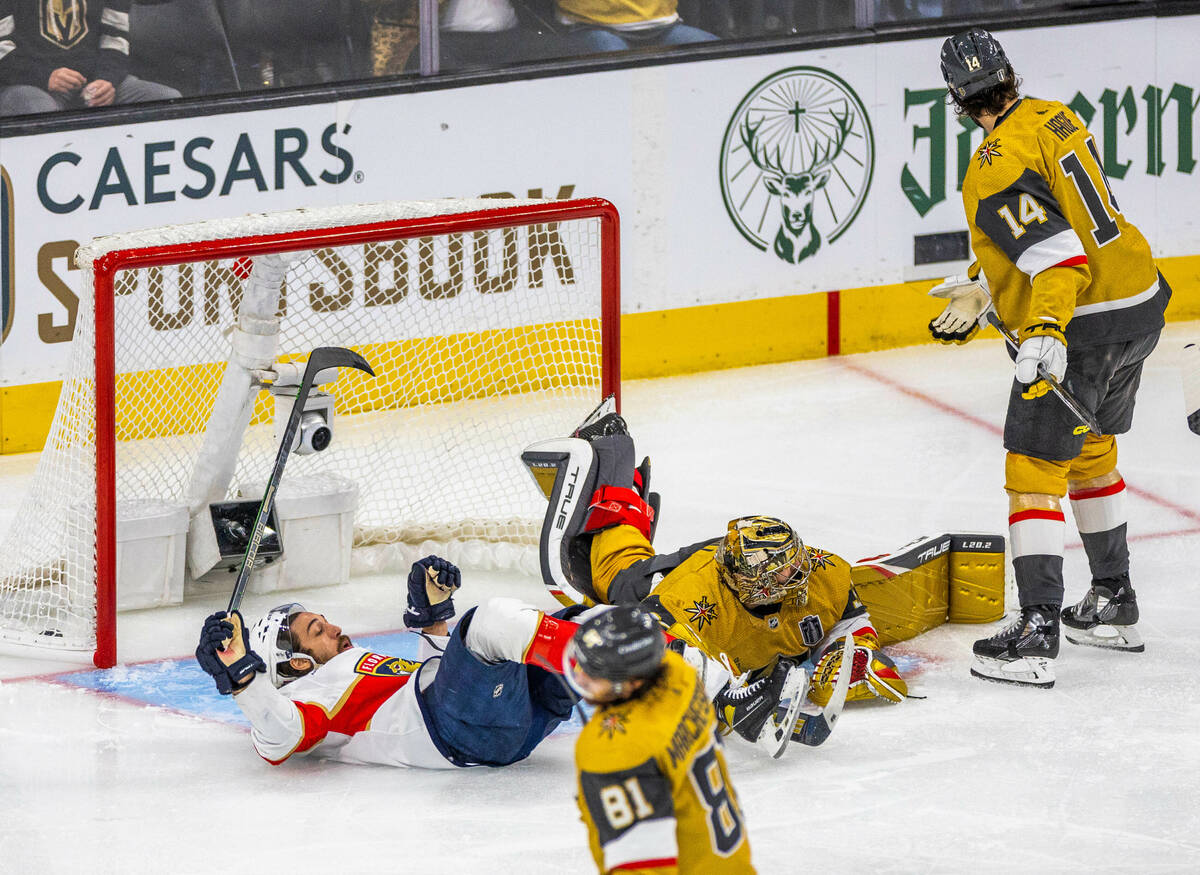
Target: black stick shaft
(1073, 404)
(320, 359)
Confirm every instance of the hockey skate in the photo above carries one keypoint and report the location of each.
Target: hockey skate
(601, 421)
(1105, 617)
(1021, 653)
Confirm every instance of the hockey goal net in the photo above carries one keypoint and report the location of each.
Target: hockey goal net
(490, 324)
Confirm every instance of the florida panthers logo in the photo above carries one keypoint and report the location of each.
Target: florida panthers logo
(803, 138)
(63, 22)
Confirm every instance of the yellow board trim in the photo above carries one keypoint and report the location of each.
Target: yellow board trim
(655, 344)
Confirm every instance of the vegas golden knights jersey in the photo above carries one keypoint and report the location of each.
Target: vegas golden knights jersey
(653, 788)
(1048, 233)
(693, 603)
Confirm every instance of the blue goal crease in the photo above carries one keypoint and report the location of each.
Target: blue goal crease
(181, 685)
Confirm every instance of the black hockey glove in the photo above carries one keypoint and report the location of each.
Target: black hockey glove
(431, 583)
(231, 669)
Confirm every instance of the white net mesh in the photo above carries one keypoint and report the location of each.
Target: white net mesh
(482, 343)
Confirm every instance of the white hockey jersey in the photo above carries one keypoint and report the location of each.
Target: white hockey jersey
(360, 707)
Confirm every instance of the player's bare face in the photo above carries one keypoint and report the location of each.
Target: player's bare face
(316, 636)
(599, 691)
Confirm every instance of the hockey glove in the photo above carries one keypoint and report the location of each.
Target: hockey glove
(969, 301)
(431, 583)
(1041, 344)
(873, 675)
(231, 669)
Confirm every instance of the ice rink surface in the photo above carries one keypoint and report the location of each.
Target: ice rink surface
(861, 454)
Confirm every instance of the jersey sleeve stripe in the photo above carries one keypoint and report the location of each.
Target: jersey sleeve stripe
(1073, 261)
(1051, 252)
(645, 844)
(1118, 303)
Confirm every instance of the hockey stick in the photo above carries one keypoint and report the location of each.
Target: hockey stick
(777, 731)
(320, 359)
(1190, 368)
(814, 727)
(1081, 412)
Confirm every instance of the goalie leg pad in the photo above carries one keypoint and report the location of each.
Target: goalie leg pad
(564, 469)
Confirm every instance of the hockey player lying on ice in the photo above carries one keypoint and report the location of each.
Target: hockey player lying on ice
(481, 696)
(747, 600)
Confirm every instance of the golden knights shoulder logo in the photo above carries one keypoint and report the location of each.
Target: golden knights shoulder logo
(796, 162)
(8, 298)
(63, 22)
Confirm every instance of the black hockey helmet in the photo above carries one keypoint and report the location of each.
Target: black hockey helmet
(620, 644)
(973, 61)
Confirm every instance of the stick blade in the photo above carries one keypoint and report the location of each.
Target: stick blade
(324, 357)
(814, 728)
(777, 732)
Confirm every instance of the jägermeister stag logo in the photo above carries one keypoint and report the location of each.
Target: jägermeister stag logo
(796, 161)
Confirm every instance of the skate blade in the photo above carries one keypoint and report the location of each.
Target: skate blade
(1107, 637)
(1029, 671)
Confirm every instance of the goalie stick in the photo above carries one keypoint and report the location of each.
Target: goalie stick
(1081, 412)
(320, 359)
(813, 726)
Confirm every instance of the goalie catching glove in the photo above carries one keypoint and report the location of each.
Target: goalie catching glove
(232, 669)
(969, 301)
(873, 675)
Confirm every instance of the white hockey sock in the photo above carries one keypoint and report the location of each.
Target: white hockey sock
(1037, 535)
(1100, 509)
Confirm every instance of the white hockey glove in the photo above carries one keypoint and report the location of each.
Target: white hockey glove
(969, 300)
(1041, 345)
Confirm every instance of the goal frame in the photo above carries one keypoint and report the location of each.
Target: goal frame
(106, 266)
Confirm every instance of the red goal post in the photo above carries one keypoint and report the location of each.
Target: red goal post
(501, 325)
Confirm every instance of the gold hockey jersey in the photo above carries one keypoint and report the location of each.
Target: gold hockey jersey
(1048, 234)
(652, 784)
(618, 12)
(693, 604)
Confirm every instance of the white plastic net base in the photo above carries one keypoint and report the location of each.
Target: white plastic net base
(483, 341)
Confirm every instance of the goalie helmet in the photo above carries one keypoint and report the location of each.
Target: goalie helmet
(271, 639)
(763, 560)
(973, 61)
(621, 644)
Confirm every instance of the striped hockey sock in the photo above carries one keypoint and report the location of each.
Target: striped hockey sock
(1101, 520)
(1036, 535)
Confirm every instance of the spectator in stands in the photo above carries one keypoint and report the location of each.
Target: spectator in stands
(618, 25)
(68, 54)
(487, 33)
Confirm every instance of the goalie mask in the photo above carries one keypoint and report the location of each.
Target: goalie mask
(271, 638)
(763, 560)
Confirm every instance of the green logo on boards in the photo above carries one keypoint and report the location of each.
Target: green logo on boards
(796, 161)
